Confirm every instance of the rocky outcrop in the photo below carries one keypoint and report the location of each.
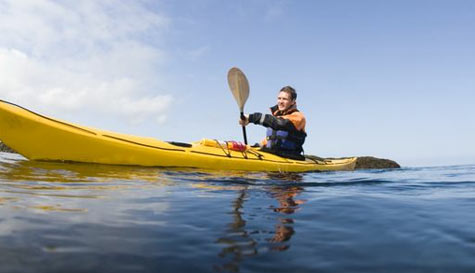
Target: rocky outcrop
(5, 148)
(368, 162)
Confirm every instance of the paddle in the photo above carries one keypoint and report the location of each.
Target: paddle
(240, 88)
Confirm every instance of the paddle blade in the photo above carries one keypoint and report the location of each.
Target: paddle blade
(239, 86)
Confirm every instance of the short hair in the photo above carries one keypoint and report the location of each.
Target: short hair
(289, 90)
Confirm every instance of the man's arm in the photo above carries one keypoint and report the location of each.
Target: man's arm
(275, 123)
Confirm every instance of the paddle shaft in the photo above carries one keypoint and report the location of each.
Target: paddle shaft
(244, 128)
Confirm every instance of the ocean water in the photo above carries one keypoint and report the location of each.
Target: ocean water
(63, 217)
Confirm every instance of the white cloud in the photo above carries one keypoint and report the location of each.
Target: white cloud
(96, 56)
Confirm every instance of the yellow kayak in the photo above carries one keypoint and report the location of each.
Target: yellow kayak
(38, 137)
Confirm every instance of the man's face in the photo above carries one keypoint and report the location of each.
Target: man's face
(284, 101)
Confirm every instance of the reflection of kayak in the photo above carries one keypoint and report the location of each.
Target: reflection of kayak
(41, 138)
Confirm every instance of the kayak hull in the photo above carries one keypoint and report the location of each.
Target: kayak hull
(38, 137)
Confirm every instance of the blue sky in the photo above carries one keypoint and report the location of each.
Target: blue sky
(392, 79)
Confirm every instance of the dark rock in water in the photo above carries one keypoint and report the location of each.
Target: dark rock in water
(5, 148)
(367, 162)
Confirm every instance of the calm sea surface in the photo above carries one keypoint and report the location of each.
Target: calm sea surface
(61, 217)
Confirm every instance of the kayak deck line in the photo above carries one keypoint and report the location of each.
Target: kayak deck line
(38, 137)
(245, 158)
(141, 144)
(260, 157)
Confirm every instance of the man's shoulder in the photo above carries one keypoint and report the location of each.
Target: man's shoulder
(297, 114)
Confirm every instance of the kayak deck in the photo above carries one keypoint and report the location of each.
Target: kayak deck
(38, 137)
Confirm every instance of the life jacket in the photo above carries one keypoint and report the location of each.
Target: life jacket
(285, 142)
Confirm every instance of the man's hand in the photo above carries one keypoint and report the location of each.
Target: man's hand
(245, 121)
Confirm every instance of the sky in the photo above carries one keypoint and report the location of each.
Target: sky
(391, 79)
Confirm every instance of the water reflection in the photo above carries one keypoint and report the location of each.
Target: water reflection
(59, 187)
(287, 206)
(46, 171)
(240, 241)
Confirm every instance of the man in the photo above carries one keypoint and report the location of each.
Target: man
(285, 127)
